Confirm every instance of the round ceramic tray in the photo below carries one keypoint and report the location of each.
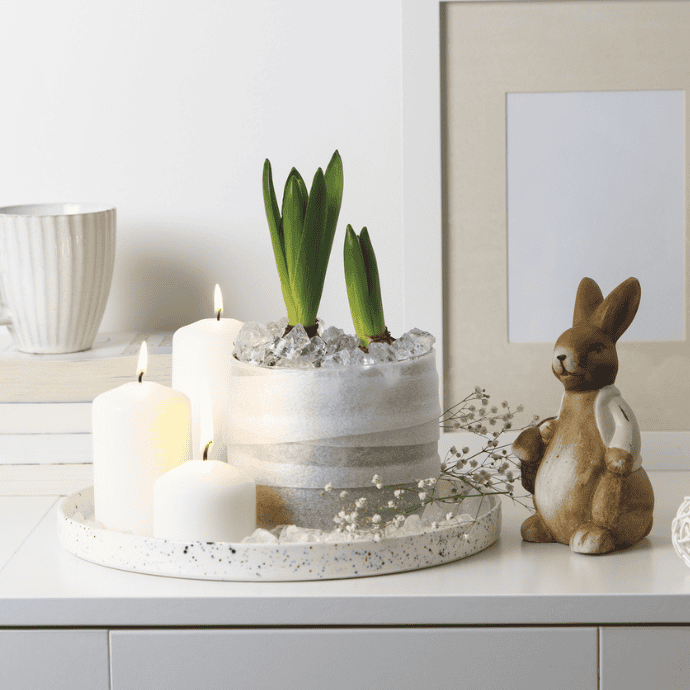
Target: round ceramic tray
(274, 562)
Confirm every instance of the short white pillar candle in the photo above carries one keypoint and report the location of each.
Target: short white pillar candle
(202, 352)
(204, 500)
(140, 431)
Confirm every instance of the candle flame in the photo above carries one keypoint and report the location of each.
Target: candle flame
(205, 419)
(217, 301)
(143, 361)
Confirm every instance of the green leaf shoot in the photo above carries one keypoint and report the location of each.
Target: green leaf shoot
(363, 287)
(275, 225)
(302, 233)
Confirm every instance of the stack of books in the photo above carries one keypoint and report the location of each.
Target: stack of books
(52, 394)
(45, 408)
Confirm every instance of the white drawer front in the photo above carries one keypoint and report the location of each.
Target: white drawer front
(645, 658)
(385, 658)
(54, 659)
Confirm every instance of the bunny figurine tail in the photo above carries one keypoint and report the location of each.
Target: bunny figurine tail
(584, 467)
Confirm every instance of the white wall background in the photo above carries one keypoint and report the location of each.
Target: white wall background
(167, 109)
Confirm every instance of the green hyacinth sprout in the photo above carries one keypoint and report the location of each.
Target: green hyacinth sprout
(302, 236)
(364, 288)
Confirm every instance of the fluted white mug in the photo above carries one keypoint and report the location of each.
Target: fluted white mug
(56, 267)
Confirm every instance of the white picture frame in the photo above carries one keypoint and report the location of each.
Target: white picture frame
(423, 204)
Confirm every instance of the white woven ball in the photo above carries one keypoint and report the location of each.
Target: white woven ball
(680, 531)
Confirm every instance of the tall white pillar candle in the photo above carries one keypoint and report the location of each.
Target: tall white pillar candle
(204, 500)
(201, 356)
(140, 431)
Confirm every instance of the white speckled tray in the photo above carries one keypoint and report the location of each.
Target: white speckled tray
(274, 562)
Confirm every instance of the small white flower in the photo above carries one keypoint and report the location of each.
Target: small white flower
(376, 479)
(465, 450)
(328, 487)
(422, 495)
(449, 516)
(398, 493)
(421, 484)
(352, 517)
(376, 518)
(379, 486)
(392, 504)
(361, 502)
(344, 494)
(453, 450)
(431, 481)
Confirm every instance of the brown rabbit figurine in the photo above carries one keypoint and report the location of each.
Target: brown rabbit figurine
(584, 466)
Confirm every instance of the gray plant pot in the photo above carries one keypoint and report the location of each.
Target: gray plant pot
(294, 431)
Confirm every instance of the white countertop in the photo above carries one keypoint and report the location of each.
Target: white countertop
(511, 583)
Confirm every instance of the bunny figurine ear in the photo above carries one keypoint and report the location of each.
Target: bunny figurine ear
(588, 298)
(617, 311)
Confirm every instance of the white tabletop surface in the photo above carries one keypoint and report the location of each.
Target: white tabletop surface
(511, 583)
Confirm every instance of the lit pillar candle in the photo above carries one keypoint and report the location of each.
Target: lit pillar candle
(204, 500)
(202, 352)
(140, 431)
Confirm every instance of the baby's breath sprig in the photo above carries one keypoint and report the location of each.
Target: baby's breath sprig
(465, 416)
(492, 470)
(383, 519)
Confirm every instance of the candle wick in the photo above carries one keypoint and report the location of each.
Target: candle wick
(218, 314)
(141, 376)
(208, 445)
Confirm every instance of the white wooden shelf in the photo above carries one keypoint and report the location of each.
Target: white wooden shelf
(518, 615)
(511, 583)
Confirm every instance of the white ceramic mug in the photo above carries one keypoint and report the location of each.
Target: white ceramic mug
(56, 266)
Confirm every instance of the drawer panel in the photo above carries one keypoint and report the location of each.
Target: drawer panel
(55, 659)
(649, 657)
(381, 658)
